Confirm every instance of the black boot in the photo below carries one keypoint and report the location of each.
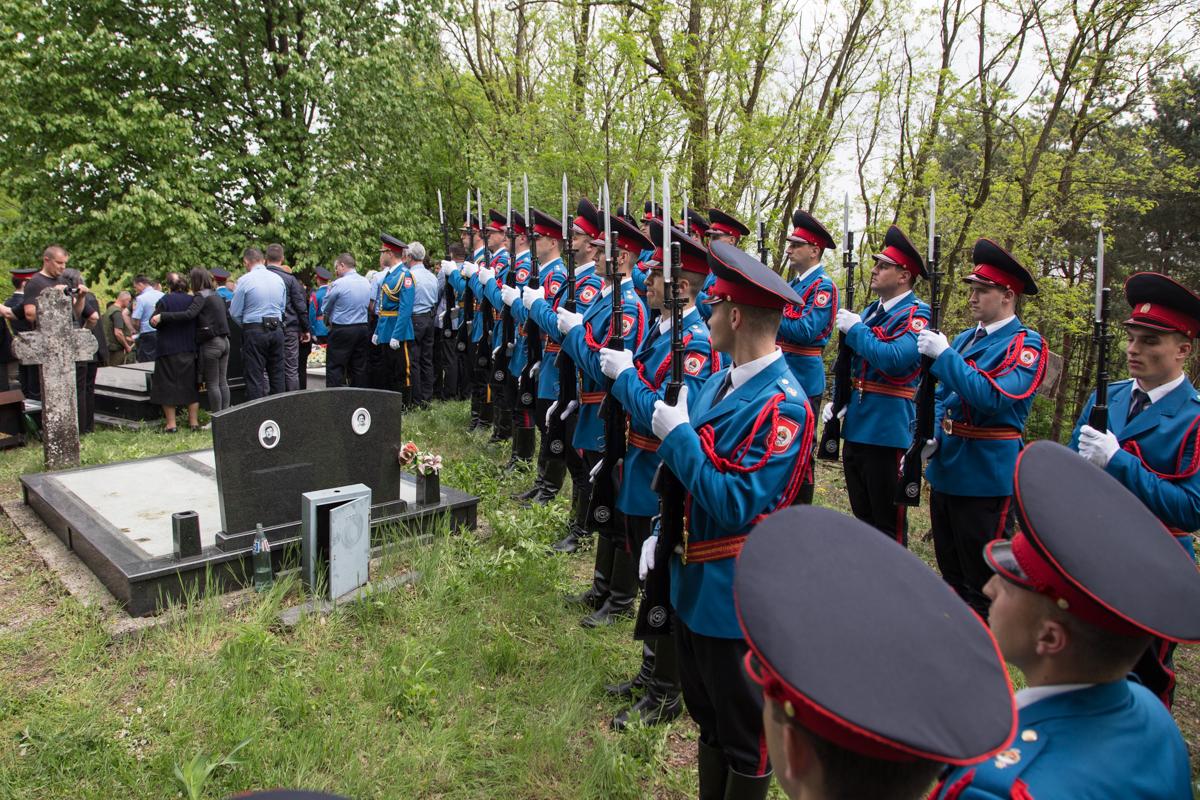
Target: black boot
(621, 593)
(662, 701)
(552, 481)
(746, 787)
(713, 769)
(602, 576)
(577, 533)
(524, 443)
(527, 496)
(644, 674)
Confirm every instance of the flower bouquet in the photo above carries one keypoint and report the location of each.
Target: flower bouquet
(427, 467)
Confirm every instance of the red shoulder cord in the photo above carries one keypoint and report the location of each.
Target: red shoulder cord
(590, 339)
(882, 335)
(661, 372)
(790, 312)
(798, 474)
(955, 790)
(1192, 437)
(1009, 364)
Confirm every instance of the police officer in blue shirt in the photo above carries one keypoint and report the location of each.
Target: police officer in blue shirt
(863, 697)
(886, 367)
(1152, 441)
(1076, 597)
(426, 291)
(257, 307)
(986, 381)
(345, 310)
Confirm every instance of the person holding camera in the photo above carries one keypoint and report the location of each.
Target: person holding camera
(212, 335)
(54, 264)
(257, 306)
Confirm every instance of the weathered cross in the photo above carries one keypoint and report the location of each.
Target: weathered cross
(56, 345)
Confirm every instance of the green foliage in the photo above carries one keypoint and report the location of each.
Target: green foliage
(194, 773)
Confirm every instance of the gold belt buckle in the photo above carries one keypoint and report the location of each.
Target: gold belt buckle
(947, 426)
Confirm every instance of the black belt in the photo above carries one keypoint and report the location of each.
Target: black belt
(335, 325)
(262, 324)
(428, 313)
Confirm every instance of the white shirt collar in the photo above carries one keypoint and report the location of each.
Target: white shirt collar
(664, 322)
(579, 269)
(608, 287)
(890, 304)
(1029, 696)
(744, 372)
(1159, 392)
(997, 325)
(809, 271)
(251, 269)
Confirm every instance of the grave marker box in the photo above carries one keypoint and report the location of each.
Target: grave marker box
(336, 538)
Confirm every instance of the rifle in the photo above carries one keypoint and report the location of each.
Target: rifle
(602, 508)
(463, 344)
(527, 383)
(556, 426)
(908, 489)
(831, 434)
(1098, 417)
(763, 254)
(447, 290)
(500, 361)
(483, 355)
(654, 618)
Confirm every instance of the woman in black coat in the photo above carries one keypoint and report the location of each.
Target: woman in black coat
(212, 336)
(174, 381)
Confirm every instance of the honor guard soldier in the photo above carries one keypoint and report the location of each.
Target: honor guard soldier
(1152, 444)
(652, 212)
(316, 304)
(394, 329)
(472, 241)
(885, 368)
(640, 270)
(639, 379)
(723, 228)
(740, 447)
(485, 284)
(1076, 597)
(614, 582)
(875, 698)
(220, 278)
(552, 277)
(583, 454)
(986, 381)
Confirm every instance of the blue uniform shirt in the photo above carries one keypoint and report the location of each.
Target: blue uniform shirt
(225, 292)
(1103, 742)
(885, 370)
(347, 299)
(804, 330)
(426, 288)
(551, 277)
(143, 308)
(316, 311)
(260, 294)
(1159, 459)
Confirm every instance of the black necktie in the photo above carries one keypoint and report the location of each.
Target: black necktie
(1140, 401)
(980, 332)
(726, 387)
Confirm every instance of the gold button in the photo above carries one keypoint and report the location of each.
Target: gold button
(1029, 735)
(789, 709)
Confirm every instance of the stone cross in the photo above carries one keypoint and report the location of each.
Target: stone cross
(56, 345)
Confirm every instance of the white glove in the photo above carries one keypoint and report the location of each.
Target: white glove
(667, 418)
(374, 339)
(827, 413)
(550, 412)
(928, 449)
(931, 343)
(485, 275)
(448, 267)
(571, 406)
(646, 560)
(535, 369)
(530, 295)
(496, 352)
(509, 294)
(847, 319)
(614, 362)
(469, 268)
(568, 320)
(595, 470)
(394, 344)
(1096, 446)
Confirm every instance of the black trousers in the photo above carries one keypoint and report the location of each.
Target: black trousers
(421, 358)
(502, 404)
(961, 527)
(85, 394)
(146, 346)
(31, 381)
(346, 355)
(305, 351)
(262, 355)
(481, 381)
(872, 473)
(451, 369)
(397, 369)
(804, 495)
(726, 706)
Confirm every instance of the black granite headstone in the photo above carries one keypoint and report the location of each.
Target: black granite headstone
(270, 451)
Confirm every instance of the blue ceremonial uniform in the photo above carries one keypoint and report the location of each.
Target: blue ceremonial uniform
(885, 370)
(726, 498)
(1159, 459)
(986, 390)
(552, 277)
(804, 330)
(638, 388)
(499, 265)
(225, 292)
(1103, 742)
(491, 292)
(316, 314)
(588, 286)
(394, 304)
(582, 344)
(705, 308)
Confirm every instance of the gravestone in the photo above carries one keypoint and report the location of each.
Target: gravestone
(272, 450)
(56, 345)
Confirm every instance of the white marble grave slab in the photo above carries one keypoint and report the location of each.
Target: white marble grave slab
(138, 497)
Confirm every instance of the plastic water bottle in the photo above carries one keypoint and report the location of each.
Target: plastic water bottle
(263, 576)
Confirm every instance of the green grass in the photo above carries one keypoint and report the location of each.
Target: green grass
(475, 682)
